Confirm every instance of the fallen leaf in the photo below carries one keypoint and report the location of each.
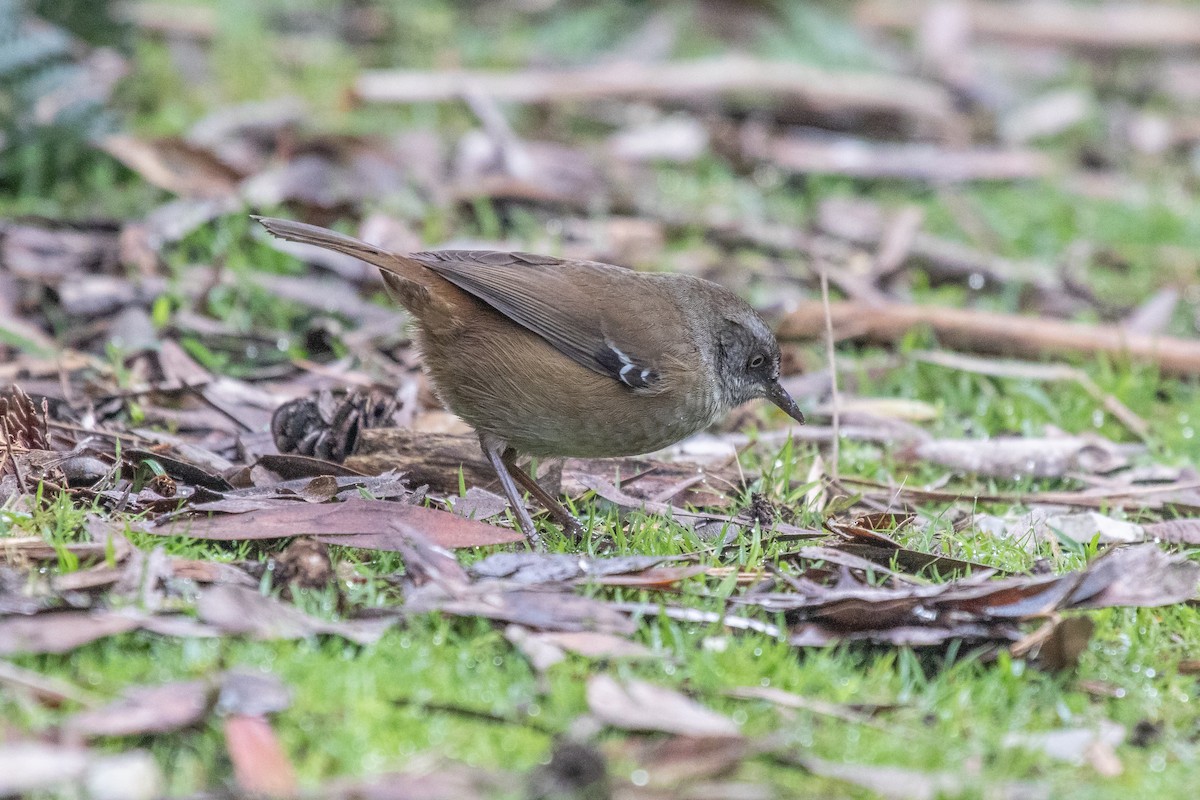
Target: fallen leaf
(977, 607)
(1140, 576)
(180, 168)
(244, 611)
(542, 654)
(592, 644)
(683, 760)
(480, 504)
(1179, 531)
(144, 710)
(548, 611)
(1015, 458)
(639, 706)
(260, 765)
(60, 632)
(355, 522)
(899, 783)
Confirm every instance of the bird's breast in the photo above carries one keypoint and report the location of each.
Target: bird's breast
(503, 379)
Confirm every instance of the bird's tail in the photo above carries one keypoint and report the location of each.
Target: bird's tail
(407, 279)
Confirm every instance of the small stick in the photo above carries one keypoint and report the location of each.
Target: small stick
(835, 450)
(991, 332)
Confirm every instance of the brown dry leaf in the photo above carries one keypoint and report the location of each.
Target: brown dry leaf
(174, 165)
(436, 582)
(480, 504)
(639, 706)
(260, 765)
(542, 655)
(60, 632)
(210, 572)
(355, 522)
(682, 760)
(144, 710)
(592, 644)
(243, 611)
(899, 783)
(1017, 458)
(656, 578)
(976, 608)
(550, 611)
(1178, 531)
(1140, 576)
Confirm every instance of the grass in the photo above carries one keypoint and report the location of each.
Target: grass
(359, 710)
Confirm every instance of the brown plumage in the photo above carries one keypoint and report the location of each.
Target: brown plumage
(553, 357)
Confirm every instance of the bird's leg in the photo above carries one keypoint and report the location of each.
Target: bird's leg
(558, 513)
(494, 450)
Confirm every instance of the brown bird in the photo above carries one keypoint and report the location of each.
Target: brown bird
(553, 357)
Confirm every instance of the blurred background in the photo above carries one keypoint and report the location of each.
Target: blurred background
(1020, 157)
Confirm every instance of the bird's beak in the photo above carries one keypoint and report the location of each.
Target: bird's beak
(779, 396)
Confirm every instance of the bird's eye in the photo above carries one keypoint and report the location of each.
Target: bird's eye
(756, 362)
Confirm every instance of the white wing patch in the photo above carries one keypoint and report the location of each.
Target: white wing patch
(624, 368)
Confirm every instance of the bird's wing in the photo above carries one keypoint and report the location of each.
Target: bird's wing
(577, 306)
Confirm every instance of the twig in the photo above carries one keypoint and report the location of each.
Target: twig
(787, 82)
(992, 332)
(698, 615)
(860, 158)
(1134, 498)
(835, 448)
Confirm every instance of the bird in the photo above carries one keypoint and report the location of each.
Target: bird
(546, 356)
